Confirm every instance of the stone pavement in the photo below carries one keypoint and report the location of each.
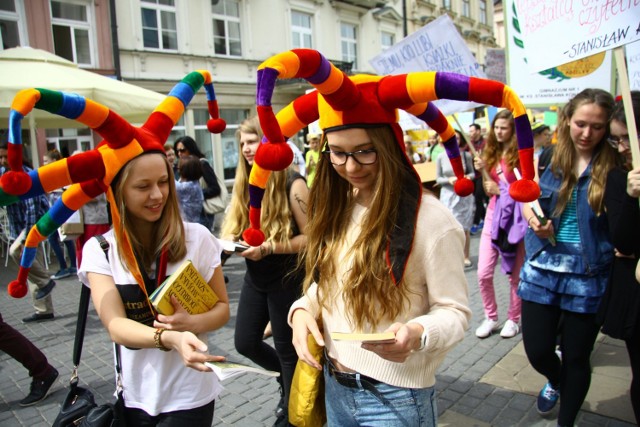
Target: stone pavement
(481, 382)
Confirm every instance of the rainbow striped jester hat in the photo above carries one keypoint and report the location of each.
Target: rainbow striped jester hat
(90, 174)
(363, 101)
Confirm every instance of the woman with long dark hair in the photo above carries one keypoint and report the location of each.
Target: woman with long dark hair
(186, 146)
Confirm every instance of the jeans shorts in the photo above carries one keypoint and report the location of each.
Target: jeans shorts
(391, 406)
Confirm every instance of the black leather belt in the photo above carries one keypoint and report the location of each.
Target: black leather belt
(354, 380)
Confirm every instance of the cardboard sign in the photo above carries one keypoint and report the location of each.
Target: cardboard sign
(435, 47)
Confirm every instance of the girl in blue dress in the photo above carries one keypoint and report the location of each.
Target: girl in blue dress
(567, 280)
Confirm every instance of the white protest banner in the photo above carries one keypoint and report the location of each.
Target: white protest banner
(555, 32)
(556, 85)
(633, 64)
(435, 47)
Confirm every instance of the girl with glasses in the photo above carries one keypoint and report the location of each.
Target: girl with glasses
(619, 311)
(357, 198)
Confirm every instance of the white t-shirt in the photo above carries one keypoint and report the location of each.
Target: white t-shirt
(153, 380)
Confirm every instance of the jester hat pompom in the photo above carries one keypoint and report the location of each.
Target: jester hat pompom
(341, 101)
(89, 174)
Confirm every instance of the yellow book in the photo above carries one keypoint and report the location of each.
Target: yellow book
(191, 290)
(375, 338)
(225, 370)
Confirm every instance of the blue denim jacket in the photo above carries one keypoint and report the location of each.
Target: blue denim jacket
(597, 250)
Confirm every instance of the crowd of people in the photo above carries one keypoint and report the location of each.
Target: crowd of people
(354, 197)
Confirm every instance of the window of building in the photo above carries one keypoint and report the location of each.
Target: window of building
(446, 4)
(483, 12)
(10, 24)
(301, 33)
(387, 40)
(71, 26)
(226, 27)
(466, 8)
(159, 29)
(230, 148)
(348, 42)
(69, 141)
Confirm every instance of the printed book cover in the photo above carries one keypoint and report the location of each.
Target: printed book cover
(191, 290)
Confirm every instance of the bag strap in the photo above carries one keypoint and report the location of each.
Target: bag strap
(81, 323)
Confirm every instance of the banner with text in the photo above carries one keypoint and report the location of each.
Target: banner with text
(556, 85)
(555, 32)
(435, 47)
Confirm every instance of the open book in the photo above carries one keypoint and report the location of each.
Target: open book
(188, 286)
(225, 370)
(230, 246)
(375, 338)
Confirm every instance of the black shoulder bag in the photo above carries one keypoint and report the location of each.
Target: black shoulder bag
(79, 406)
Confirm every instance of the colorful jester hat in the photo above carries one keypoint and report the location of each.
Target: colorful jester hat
(366, 101)
(91, 172)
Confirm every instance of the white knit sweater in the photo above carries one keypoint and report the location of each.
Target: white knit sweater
(438, 301)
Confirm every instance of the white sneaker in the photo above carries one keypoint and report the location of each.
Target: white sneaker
(486, 328)
(510, 329)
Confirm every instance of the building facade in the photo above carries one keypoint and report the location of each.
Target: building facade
(154, 43)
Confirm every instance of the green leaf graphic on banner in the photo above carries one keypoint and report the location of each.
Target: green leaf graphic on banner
(551, 73)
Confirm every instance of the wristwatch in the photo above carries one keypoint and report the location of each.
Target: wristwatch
(423, 340)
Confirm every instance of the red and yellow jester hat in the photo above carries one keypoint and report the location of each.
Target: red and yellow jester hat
(91, 172)
(365, 101)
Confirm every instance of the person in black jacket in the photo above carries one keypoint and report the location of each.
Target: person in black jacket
(185, 146)
(619, 312)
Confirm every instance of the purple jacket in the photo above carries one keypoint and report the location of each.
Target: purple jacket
(508, 217)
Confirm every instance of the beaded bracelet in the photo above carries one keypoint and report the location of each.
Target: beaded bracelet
(157, 339)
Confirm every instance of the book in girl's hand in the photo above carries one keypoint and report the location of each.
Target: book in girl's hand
(374, 338)
(225, 370)
(189, 288)
(229, 246)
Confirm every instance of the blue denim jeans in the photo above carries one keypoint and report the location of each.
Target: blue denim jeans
(399, 406)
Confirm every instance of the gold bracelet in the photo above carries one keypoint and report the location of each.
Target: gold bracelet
(157, 338)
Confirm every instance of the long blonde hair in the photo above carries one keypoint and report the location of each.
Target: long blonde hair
(492, 152)
(564, 157)
(370, 294)
(167, 232)
(276, 215)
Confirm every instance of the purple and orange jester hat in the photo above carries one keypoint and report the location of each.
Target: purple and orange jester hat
(90, 174)
(342, 101)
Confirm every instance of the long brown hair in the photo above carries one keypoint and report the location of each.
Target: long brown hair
(564, 157)
(369, 293)
(167, 232)
(493, 149)
(276, 213)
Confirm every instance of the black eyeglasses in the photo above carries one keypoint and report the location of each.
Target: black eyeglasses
(615, 141)
(363, 157)
(181, 150)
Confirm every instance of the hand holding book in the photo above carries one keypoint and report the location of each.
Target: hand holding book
(225, 369)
